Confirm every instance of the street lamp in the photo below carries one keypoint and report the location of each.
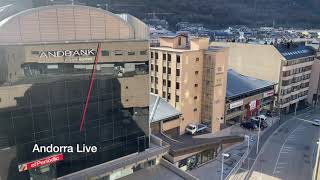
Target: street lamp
(248, 140)
(223, 155)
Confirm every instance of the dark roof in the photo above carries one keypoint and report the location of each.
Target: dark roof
(295, 51)
(238, 84)
(163, 111)
(186, 144)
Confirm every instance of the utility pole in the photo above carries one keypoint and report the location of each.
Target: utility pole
(257, 150)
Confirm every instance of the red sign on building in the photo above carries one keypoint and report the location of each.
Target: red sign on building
(41, 162)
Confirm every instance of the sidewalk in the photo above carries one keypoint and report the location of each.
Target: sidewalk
(212, 170)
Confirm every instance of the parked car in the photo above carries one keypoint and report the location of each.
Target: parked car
(195, 128)
(316, 122)
(269, 113)
(248, 125)
(263, 124)
(262, 117)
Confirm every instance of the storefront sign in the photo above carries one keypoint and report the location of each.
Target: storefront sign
(268, 94)
(41, 162)
(253, 105)
(236, 104)
(67, 53)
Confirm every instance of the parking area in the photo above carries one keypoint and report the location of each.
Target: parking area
(235, 151)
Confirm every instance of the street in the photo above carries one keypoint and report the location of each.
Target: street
(289, 153)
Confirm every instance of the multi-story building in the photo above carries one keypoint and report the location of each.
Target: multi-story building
(191, 76)
(288, 65)
(314, 91)
(247, 97)
(49, 78)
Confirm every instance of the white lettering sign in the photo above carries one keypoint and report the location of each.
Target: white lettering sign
(268, 94)
(67, 53)
(236, 104)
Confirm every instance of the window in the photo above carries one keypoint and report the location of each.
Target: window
(156, 55)
(127, 87)
(177, 98)
(164, 56)
(151, 78)
(143, 52)
(164, 69)
(152, 54)
(195, 85)
(169, 83)
(195, 109)
(118, 53)
(169, 96)
(169, 70)
(179, 41)
(169, 57)
(0, 99)
(164, 82)
(131, 53)
(177, 86)
(35, 52)
(178, 58)
(164, 94)
(197, 59)
(196, 97)
(177, 72)
(156, 91)
(105, 53)
(197, 72)
(157, 68)
(152, 67)
(152, 90)
(156, 80)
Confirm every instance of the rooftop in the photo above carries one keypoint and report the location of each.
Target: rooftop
(157, 172)
(295, 51)
(163, 109)
(238, 84)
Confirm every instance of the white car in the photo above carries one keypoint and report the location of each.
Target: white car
(316, 122)
(195, 128)
(262, 117)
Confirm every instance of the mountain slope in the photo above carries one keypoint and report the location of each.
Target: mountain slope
(223, 13)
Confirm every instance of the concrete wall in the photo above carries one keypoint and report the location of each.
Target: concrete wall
(171, 124)
(259, 61)
(178, 171)
(173, 42)
(190, 96)
(314, 87)
(219, 88)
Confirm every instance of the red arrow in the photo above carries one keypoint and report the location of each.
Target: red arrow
(91, 84)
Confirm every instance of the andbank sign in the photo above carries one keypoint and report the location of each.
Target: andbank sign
(67, 53)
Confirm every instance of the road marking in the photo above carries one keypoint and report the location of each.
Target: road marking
(284, 152)
(282, 163)
(282, 148)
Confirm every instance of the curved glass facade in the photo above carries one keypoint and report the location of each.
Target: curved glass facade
(42, 103)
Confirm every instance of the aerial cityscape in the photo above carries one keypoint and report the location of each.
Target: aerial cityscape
(159, 90)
